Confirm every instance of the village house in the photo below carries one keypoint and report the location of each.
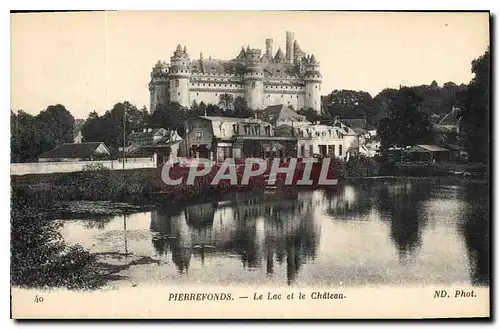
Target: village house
(447, 134)
(160, 144)
(149, 136)
(277, 131)
(315, 140)
(427, 153)
(219, 138)
(86, 151)
(278, 115)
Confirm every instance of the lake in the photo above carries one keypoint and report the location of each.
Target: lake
(373, 232)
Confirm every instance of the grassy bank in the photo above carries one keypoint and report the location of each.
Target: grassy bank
(443, 169)
(135, 186)
(41, 259)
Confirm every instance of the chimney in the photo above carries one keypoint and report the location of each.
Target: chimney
(269, 48)
(290, 38)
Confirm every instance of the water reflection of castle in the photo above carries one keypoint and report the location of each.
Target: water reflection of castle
(271, 233)
(259, 232)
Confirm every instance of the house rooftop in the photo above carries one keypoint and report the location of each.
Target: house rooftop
(72, 151)
(275, 113)
(427, 148)
(450, 119)
(229, 119)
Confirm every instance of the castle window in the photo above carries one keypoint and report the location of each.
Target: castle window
(197, 94)
(291, 96)
(215, 94)
(253, 84)
(281, 96)
(297, 96)
(309, 94)
(178, 94)
(177, 82)
(209, 85)
(316, 87)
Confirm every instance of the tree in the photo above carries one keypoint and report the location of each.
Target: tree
(349, 104)
(381, 103)
(241, 109)
(33, 135)
(55, 126)
(22, 137)
(313, 116)
(169, 116)
(475, 114)
(92, 129)
(108, 128)
(405, 124)
(226, 101)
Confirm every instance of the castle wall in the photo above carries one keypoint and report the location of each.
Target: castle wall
(179, 91)
(313, 95)
(159, 95)
(209, 89)
(255, 94)
(211, 96)
(284, 93)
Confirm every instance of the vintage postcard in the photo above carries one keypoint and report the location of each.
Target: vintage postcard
(250, 165)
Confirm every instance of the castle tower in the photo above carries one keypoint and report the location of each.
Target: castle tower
(312, 79)
(179, 76)
(290, 38)
(158, 86)
(254, 80)
(269, 49)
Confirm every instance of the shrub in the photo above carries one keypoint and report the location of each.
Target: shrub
(361, 166)
(41, 259)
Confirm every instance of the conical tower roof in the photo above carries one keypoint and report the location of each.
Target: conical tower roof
(242, 54)
(279, 55)
(296, 47)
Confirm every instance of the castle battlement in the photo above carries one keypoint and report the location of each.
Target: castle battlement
(260, 77)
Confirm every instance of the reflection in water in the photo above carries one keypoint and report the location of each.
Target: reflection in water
(371, 232)
(401, 206)
(256, 230)
(475, 228)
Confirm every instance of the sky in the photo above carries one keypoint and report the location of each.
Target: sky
(90, 61)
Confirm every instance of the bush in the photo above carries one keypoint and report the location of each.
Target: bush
(94, 167)
(41, 259)
(361, 166)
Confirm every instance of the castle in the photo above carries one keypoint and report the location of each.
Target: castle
(262, 80)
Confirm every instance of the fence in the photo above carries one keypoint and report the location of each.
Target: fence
(72, 166)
